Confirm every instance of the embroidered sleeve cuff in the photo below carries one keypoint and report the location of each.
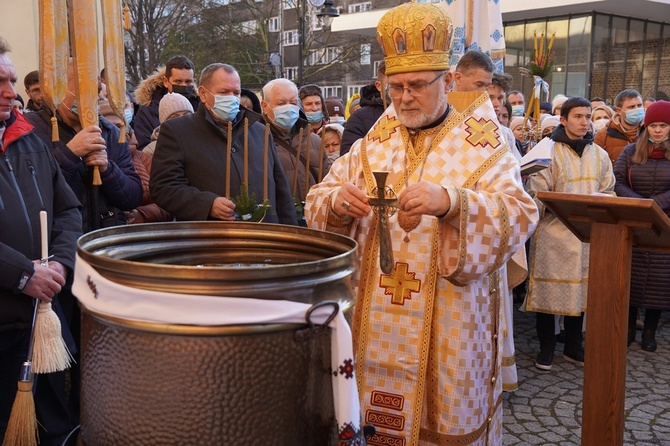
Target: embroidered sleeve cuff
(454, 199)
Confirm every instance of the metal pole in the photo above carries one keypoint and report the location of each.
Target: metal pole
(301, 38)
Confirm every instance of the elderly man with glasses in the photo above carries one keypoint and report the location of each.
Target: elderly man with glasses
(427, 317)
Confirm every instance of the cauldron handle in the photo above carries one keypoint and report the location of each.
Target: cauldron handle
(304, 334)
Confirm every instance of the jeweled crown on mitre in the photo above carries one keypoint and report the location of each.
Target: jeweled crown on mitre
(415, 37)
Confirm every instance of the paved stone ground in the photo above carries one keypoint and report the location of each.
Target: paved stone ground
(547, 408)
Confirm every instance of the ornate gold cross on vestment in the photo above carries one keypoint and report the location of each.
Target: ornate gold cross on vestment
(384, 205)
(400, 283)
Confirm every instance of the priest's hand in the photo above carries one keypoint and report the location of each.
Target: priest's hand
(350, 201)
(424, 198)
(222, 209)
(44, 284)
(86, 141)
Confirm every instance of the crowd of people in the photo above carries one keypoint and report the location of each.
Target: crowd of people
(192, 147)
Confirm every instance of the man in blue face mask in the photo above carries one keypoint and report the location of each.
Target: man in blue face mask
(188, 174)
(625, 125)
(281, 109)
(314, 106)
(518, 102)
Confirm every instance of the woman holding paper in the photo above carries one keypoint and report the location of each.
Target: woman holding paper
(643, 171)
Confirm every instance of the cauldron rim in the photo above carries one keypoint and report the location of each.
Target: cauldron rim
(93, 247)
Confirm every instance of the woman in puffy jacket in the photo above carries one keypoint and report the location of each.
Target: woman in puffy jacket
(643, 171)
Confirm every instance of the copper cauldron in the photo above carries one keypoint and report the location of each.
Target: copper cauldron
(150, 383)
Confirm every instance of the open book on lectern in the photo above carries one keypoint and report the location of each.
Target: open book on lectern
(537, 158)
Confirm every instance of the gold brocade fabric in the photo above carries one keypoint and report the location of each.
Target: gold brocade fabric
(426, 334)
(559, 262)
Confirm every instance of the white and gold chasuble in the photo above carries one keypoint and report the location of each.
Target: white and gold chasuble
(426, 334)
(559, 261)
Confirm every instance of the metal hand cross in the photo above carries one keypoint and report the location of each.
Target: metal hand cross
(384, 205)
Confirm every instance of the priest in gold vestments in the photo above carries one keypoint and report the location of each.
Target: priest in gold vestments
(428, 311)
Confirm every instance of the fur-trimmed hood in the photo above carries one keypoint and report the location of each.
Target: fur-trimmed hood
(148, 86)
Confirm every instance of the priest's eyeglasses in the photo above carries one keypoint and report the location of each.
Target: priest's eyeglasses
(396, 91)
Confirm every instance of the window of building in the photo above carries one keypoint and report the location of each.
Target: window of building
(578, 56)
(323, 56)
(274, 25)
(291, 73)
(559, 78)
(332, 90)
(375, 68)
(289, 4)
(359, 7)
(290, 37)
(353, 89)
(315, 23)
(249, 27)
(365, 54)
(650, 72)
(597, 55)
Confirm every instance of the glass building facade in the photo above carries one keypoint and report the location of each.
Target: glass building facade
(597, 55)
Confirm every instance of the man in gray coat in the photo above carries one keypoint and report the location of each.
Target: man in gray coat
(188, 174)
(281, 109)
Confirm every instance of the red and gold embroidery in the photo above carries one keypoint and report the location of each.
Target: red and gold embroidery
(400, 283)
(482, 132)
(384, 129)
(388, 400)
(385, 420)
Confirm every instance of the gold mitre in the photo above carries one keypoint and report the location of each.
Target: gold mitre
(415, 37)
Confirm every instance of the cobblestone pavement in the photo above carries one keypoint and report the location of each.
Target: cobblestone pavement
(547, 408)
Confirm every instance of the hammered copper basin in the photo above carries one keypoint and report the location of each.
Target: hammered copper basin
(152, 383)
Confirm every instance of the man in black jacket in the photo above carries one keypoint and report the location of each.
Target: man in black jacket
(177, 77)
(79, 149)
(188, 174)
(31, 181)
(372, 107)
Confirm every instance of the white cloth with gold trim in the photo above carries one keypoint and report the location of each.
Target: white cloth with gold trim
(426, 334)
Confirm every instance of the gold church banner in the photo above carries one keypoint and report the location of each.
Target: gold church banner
(53, 54)
(115, 68)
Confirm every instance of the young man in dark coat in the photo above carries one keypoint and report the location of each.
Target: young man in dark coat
(177, 77)
(188, 175)
(31, 181)
(372, 107)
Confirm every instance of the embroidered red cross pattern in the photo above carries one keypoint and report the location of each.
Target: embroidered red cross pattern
(482, 132)
(400, 283)
(384, 129)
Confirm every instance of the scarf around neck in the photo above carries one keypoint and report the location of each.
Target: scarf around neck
(577, 145)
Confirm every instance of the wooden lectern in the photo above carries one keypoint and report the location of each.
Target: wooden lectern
(612, 226)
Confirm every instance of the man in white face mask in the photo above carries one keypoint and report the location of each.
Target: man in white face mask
(624, 126)
(188, 175)
(281, 109)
